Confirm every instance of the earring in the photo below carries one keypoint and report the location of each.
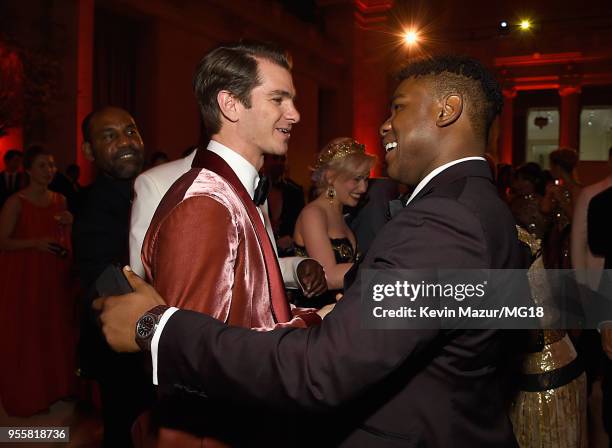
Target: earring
(331, 194)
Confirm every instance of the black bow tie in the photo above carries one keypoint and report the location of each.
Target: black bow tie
(396, 205)
(261, 191)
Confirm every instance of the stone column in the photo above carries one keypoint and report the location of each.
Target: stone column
(569, 116)
(84, 98)
(358, 26)
(506, 126)
(370, 92)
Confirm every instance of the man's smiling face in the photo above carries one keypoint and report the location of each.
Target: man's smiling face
(408, 134)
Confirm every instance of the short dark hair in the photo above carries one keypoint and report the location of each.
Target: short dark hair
(31, 153)
(564, 158)
(532, 173)
(465, 75)
(11, 154)
(231, 67)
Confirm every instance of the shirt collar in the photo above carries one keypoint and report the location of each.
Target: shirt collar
(437, 171)
(246, 172)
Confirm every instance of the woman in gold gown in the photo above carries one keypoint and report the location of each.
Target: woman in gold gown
(550, 409)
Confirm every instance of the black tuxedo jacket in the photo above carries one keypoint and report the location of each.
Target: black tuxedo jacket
(372, 214)
(599, 226)
(410, 388)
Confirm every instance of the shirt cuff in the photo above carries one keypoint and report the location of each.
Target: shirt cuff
(288, 266)
(155, 341)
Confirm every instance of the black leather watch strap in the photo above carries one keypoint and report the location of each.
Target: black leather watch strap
(146, 326)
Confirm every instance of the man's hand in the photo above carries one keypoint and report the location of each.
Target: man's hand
(606, 340)
(119, 314)
(312, 277)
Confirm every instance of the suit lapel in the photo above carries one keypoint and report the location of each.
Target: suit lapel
(280, 305)
(470, 168)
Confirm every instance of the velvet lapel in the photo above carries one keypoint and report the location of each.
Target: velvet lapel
(280, 305)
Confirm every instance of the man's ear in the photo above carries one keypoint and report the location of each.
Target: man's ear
(88, 151)
(450, 110)
(228, 105)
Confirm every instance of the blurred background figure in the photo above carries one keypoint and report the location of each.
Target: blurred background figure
(285, 202)
(37, 322)
(11, 179)
(587, 265)
(528, 184)
(67, 184)
(341, 175)
(558, 205)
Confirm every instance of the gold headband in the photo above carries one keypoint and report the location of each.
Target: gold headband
(337, 151)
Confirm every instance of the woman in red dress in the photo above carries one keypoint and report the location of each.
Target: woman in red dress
(37, 319)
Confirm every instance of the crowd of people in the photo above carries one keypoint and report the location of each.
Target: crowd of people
(249, 320)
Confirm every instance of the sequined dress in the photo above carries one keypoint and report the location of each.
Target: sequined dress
(344, 253)
(526, 210)
(550, 408)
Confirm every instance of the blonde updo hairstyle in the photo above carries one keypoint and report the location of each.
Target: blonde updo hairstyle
(340, 158)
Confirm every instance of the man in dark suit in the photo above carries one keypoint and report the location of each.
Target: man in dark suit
(416, 388)
(11, 179)
(372, 213)
(599, 233)
(100, 236)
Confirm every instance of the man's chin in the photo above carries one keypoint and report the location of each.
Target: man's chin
(127, 170)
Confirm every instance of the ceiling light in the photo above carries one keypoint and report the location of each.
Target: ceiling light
(411, 37)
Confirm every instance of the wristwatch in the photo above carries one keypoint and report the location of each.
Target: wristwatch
(146, 326)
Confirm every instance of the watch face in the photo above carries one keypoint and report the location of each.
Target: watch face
(146, 324)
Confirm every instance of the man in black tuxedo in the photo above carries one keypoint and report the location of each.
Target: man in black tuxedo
(416, 388)
(100, 236)
(11, 179)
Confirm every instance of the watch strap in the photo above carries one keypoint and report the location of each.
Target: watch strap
(156, 312)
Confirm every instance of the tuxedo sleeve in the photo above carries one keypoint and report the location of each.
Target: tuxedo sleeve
(598, 225)
(324, 366)
(146, 199)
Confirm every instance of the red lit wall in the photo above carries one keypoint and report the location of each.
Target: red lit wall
(12, 140)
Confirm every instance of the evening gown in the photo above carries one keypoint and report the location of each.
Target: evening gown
(344, 253)
(550, 409)
(37, 321)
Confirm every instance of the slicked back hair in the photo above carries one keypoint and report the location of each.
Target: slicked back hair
(234, 68)
(466, 76)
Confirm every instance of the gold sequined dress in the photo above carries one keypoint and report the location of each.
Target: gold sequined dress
(550, 409)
